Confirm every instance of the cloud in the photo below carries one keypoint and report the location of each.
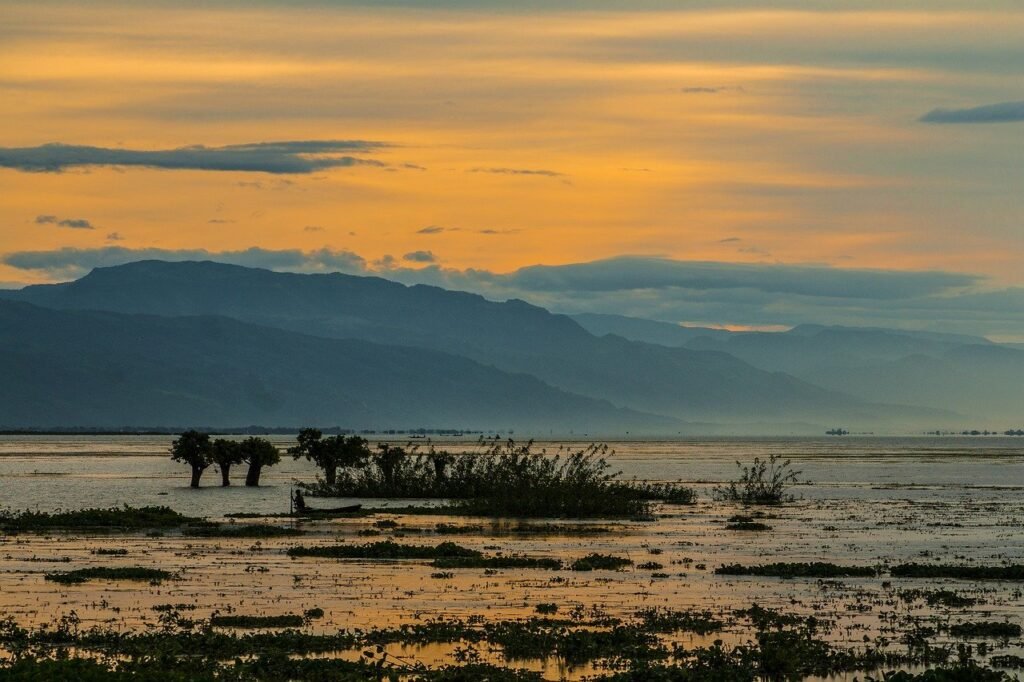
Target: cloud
(519, 171)
(1002, 112)
(264, 157)
(73, 223)
(313, 228)
(420, 257)
(630, 273)
(432, 229)
(114, 237)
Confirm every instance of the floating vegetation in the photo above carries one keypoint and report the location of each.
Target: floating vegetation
(112, 551)
(985, 629)
(669, 620)
(134, 573)
(385, 550)
(912, 570)
(251, 622)
(934, 598)
(600, 562)
(748, 525)
(113, 518)
(817, 569)
(241, 531)
(497, 562)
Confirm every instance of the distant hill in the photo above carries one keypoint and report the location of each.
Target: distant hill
(101, 369)
(514, 336)
(648, 331)
(968, 375)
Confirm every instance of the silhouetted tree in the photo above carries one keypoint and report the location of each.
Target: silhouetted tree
(330, 453)
(225, 453)
(440, 461)
(389, 459)
(194, 449)
(259, 453)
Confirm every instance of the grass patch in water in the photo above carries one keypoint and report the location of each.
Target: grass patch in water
(288, 620)
(816, 569)
(914, 570)
(134, 573)
(985, 629)
(113, 518)
(497, 562)
(241, 531)
(385, 550)
(600, 562)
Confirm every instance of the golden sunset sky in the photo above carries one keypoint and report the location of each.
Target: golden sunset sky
(486, 137)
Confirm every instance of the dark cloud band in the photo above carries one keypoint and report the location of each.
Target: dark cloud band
(1003, 112)
(302, 156)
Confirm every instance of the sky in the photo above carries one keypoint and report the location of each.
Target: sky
(738, 164)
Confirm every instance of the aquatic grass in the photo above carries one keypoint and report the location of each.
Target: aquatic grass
(497, 562)
(133, 573)
(289, 620)
(112, 518)
(600, 562)
(915, 570)
(385, 550)
(755, 526)
(667, 620)
(985, 629)
(816, 569)
(241, 531)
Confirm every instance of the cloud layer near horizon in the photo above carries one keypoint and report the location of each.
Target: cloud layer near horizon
(694, 292)
(302, 156)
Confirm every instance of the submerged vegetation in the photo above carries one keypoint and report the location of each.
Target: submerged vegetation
(816, 569)
(137, 573)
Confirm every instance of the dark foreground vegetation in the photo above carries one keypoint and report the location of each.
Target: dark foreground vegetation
(115, 518)
(778, 646)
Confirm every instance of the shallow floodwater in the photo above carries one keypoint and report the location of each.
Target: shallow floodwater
(71, 472)
(870, 501)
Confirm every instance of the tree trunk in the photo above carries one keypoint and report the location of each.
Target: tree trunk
(225, 475)
(196, 473)
(330, 475)
(252, 477)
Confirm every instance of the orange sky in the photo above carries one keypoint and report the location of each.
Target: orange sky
(742, 135)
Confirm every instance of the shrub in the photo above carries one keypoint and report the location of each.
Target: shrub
(763, 482)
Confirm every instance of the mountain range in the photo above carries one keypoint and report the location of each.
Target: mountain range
(181, 343)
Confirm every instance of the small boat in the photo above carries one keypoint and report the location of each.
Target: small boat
(331, 510)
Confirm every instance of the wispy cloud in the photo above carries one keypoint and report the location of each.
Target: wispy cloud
(303, 156)
(519, 171)
(73, 223)
(1002, 112)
